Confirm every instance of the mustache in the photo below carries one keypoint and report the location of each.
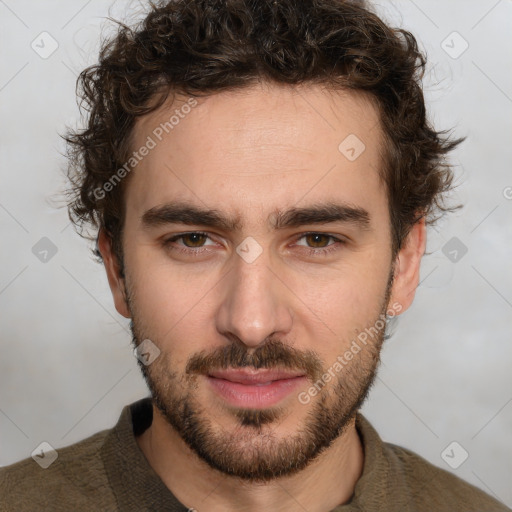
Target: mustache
(271, 355)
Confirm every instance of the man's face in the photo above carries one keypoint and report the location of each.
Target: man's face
(252, 295)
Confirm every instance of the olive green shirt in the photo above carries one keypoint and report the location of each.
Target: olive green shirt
(109, 472)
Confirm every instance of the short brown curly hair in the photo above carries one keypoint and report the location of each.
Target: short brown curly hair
(200, 47)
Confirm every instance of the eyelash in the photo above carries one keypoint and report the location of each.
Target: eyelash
(168, 244)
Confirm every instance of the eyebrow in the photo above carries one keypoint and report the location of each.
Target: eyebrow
(324, 213)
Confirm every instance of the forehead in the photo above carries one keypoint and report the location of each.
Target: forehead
(254, 150)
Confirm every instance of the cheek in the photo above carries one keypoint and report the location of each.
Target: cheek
(336, 308)
(350, 292)
(169, 303)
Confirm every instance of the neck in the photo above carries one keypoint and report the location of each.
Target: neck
(327, 482)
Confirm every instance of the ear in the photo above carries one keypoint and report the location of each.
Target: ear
(116, 282)
(407, 266)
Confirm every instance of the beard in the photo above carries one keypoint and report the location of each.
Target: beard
(252, 451)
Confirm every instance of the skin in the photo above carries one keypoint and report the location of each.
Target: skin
(246, 153)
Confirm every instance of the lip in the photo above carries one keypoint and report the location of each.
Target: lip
(254, 377)
(254, 389)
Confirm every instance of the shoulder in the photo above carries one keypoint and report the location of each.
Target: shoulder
(76, 474)
(395, 478)
(442, 490)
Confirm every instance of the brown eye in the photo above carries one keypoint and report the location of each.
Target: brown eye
(188, 243)
(196, 239)
(317, 240)
(319, 244)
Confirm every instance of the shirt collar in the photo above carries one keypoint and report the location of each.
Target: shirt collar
(133, 481)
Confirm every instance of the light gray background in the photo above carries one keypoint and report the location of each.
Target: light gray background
(66, 365)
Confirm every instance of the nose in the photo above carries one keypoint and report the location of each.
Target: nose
(255, 303)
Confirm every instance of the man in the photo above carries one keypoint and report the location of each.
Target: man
(261, 175)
